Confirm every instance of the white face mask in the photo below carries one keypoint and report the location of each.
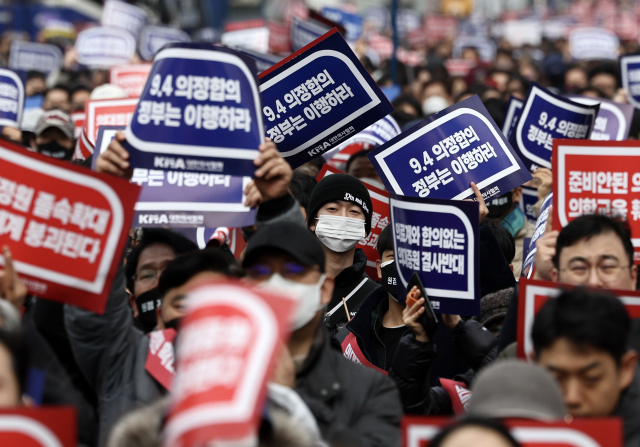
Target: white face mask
(307, 296)
(339, 233)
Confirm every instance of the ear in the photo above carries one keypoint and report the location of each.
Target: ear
(159, 320)
(554, 275)
(326, 291)
(532, 356)
(628, 365)
(134, 306)
(517, 194)
(634, 274)
(379, 269)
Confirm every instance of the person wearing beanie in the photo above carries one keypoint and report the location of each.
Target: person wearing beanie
(339, 213)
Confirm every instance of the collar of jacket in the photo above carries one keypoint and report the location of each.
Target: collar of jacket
(318, 370)
(628, 409)
(353, 272)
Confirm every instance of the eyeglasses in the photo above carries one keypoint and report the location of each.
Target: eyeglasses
(290, 270)
(147, 276)
(608, 271)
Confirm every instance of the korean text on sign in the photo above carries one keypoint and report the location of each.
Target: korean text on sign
(427, 260)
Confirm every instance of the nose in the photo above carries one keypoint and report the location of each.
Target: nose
(594, 280)
(572, 395)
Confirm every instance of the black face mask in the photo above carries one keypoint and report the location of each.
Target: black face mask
(389, 279)
(173, 324)
(147, 303)
(500, 206)
(55, 150)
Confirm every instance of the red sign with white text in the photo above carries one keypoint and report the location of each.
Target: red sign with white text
(66, 226)
(533, 294)
(600, 177)
(379, 220)
(160, 357)
(107, 112)
(38, 427)
(78, 123)
(228, 342)
(602, 432)
(130, 78)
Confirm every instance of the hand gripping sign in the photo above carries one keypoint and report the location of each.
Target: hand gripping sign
(546, 117)
(630, 74)
(41, 57)
(613, 120)
(439, 240)
(11, 98)
(226, 349)
(66, 226)
(104, 47)
(199, 112)
(441, 156)
(514, 107)
(533, 294)
(418, 431)
(597, 178)
(131, 78)
(153, 38)
(317, 98)
(38, 427)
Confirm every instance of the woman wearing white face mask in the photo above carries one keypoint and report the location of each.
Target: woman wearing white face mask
(339, 213)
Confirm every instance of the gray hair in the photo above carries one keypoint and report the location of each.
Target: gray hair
(9, 317)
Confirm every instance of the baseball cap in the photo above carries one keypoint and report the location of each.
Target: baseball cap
(55, 118)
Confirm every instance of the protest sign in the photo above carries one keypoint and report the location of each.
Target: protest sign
(78, 123)
(153, 38)
(107, 112)
(613, 120)
(39, 427)
(416, 162)
(485, 47)
(539, 230)
(600, 177)
(232, 332)
(40, 57)
(418, 431)
(160, 356)
(444, 252)
(459, 67)
(119, 14)
(379, 220)
(439, 27)
(593, 44)
(264, 61)
(333, 95)
(104, 47)
(533, 294)
(130, 78)
(251, 38)
(514, 107)
(544, 118)
(303, 32)
(11, 98)
(200, 111)
(630, 74)
(351, 22)
(66, 226)
(279, 38)
(529, 199)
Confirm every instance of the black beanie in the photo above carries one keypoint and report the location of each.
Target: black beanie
(343, 187)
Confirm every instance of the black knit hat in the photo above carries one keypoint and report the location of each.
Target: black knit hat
(342, 187)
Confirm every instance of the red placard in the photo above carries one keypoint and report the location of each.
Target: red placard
(226, 350)
(107, 112)
(592, 432)
(160, 357)
(78, 123)
(379, 220)
(533, 294)
(597, 177)
(440, 27)
(131, 78)
(38, 427)
(66, 225)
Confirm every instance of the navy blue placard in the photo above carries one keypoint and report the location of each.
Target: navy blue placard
(546, 116)
(11, 98)
(512, 112)
(613, 121)
(529, 199)
(199, 112)
(317, 98)
(264, 61)
(153, 38)
(439, 240)
(630, 74)
(439, 157)
(26, 56)
(303, 32)
(541, 225)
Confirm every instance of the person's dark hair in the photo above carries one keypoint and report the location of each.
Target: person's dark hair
(474, 421)
(150, 236)
(438, 80)
(186, 266)
(33, 74)
(589, 225)
(406, 98)
(593, 89)
(59, 87)
(385, 241)
(504, 238)
(605, 68)
(78, 87)
(301, 186)
(495, 107)
(318, 162)
(361, 154)
(19, 356)
(588, 319)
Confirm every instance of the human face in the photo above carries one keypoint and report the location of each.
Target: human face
(475, 436)
(79, 98)
(387, 256)
(9, 386)
(590, 379)
(606, 83)
(362, 167)
(151, 263)
(56, 99)
(598, 262)
(53, 133)
(340, 208)
(575, 79)
(435, 89)
(173, 301)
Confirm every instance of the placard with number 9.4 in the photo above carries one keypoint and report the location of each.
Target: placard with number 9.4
(417, 167)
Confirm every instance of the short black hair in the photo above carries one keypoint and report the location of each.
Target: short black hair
(79, 87)
(474, 421)
(588, 319)
(318, 162)
(406, 98)
(34, 74)
(186, 266)
(301, 186)
(361, 154)
(605, 68)
(60, 87)
(503, 236)
(150, 236)
(589, 225)
(385, 241)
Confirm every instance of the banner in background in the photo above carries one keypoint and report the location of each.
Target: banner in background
(107, 112)
(514, 107)
(351, 22)
(11, 98)
(264, 61)
(630, 74)
(613, 120)
(123, 15)
(27, 56)
(102, 47)
(593, 44)
(153, 38)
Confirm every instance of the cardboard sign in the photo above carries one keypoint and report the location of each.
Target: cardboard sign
(107, 112)
(66, 226)
(160, 357)
(630, 74)
(544, 118)
(103, 47)
(533, 294)
(130, 78)
(200, 111)
(593, 44)
(40, 57)
(597, 177)
(439, 240)
(226, 350)
(303, 32)
(153, 38)
(119, 14)
(439, 157)
(439, 27)
(529, 199)
(379, 220)
(613, 120)
(11, 98)
(601, 432)
(352, 22)
(39, 427)
(317, 98)
(541, 225)
(264, 61)
(514, 107)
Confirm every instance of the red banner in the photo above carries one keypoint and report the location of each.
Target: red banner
(592, 432)
(600, 177)
(78, 123)
(379, 220)
(38, 427)
(533, 294)
(66, 226)
(107, 112)
(226, 349)
(131, 78)
(459, 393)
(160, 357)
